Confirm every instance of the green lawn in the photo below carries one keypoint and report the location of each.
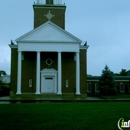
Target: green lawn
(63, 116)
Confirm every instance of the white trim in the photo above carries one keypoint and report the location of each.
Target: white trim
(52, 25)
(38, 73)
(49, 73)
(88, 87)
(96, 88)
(13, 46)
(59, 74)
(83, 47)
(49, 47)
(122, 80)
(30, 83)
(50, 6)
(67, 83)
(19, 72)
(122, 91)
(41, 41)
(77, 74)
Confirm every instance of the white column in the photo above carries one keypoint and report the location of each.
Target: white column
(19, 72)
(59, 74)
(77, 74)
(38, 74)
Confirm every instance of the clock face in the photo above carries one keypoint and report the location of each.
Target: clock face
(49, 61)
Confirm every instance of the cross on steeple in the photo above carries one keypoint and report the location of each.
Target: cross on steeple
(49, 16)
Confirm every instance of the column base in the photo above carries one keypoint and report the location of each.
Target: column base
(18, 93)
(78, 93)
(37, 93)
(59, 93)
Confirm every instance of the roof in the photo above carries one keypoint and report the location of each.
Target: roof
(48, 32)
(115, 77)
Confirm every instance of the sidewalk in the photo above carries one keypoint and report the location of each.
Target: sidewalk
(34, 99)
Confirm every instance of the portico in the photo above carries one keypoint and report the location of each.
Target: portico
(64, 43)
(38, 85)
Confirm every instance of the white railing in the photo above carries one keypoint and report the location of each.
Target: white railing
(56, 2)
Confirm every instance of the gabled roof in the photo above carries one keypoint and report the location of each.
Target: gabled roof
(48, 32)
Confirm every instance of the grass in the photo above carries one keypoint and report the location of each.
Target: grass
(63, 116)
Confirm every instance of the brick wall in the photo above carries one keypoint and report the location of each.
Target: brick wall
(68, 72)
(58, 19)
(29, 70)
(83, 65)
(14, 61)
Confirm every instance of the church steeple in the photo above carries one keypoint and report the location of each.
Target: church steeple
(52, 10)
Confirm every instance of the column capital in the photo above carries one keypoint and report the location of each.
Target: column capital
(59, 51)
(19, 51)
(38, 51)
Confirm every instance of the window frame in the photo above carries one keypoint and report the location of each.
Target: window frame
(96, 88)
(89, 87)
(122, 87)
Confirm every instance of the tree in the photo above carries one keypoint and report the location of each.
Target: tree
(106, 82)
(2, 73)
(4, 90)
(123, 72)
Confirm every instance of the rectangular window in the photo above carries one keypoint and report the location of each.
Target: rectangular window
(67, 83)
(128, 87)
(22, 55)
(89, 87)
(122, 88)
(74, 56)
(96, 88)
(30, 82)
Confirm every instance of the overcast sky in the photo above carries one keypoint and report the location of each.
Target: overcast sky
(104, 24)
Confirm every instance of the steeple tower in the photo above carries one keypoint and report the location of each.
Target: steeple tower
(49, 10)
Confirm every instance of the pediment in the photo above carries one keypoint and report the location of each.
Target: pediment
(49, 70)
(48, 32)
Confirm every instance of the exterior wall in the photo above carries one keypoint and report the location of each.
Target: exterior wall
(125, 80)
(41, 10)
(83, 82)
(13, 77)
(126, 86)
(29, 70)
(93, 91)
(68, 73)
